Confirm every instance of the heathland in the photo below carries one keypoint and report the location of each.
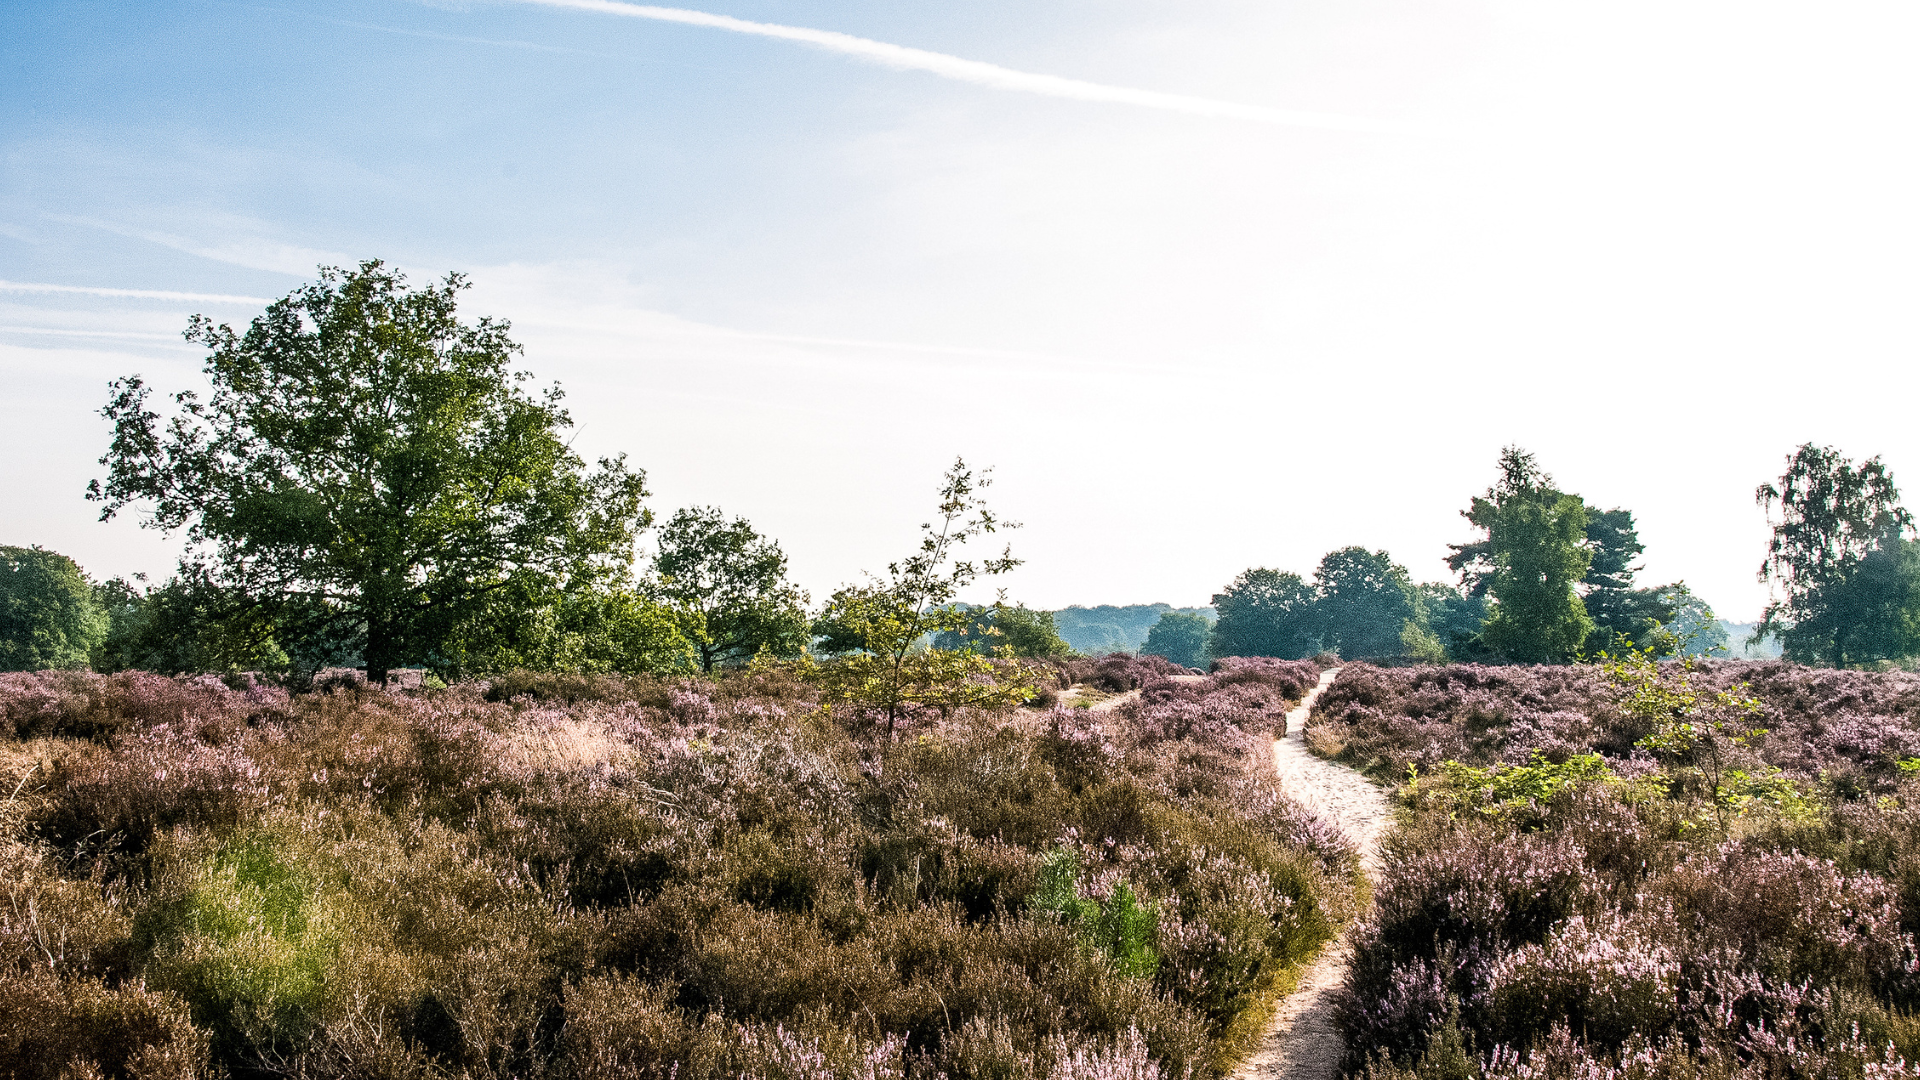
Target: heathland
(415, 767)
(602, 877)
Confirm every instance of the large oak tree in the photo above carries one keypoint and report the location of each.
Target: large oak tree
(368, 463)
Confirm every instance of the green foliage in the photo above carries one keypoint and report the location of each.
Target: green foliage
(1265, 613)
(1452, 617)
(1698, 631)
(1180, 637)
(1120, 927)
(1509, 790)
(247, 945)
(1847, 575)
(734, 581)
(879, 626)
(191, 624)
(1534, 552)
(592, 628)
(368, 465)
(1365, 603)
(1107, 628)
(1692, 730)
(49, 616)
(1017, 631)
(1619, 610)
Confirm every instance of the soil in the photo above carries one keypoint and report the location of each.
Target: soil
(1301, 1043)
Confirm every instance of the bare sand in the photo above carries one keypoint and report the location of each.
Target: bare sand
(1301, 1043)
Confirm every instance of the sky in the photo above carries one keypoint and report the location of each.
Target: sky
(1208, 285)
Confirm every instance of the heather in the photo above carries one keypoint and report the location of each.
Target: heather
(1725, 885)
(610, 876)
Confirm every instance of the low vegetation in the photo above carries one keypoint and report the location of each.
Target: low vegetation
(1637, 870)
(602, 876)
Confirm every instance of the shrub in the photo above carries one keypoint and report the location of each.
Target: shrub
(601, 876)
(1562, 903)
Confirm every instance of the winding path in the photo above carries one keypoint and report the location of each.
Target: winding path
(1301, 1043)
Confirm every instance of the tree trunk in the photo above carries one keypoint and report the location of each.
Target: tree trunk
(382, 650)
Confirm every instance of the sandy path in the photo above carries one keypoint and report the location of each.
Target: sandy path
(1302, 1044)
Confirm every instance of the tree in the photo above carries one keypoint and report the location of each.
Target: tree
(1365, 603)
(1692, 730)
(1181, 637)
(1846, 576)
(1696, 630)
(49, 617)
(595, 627)
(190, 624)
(1534, 552)
(1620, 611)
(734, 581)
(369, 465)
(1018, 631)
(1265, 613)
(1451, 617)
(878, 627)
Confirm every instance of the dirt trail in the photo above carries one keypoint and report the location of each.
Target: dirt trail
(1302, 1044)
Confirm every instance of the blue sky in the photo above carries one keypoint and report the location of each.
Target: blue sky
(1658, 244)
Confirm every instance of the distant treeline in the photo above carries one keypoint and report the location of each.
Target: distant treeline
(1109, 629)
(371, 484)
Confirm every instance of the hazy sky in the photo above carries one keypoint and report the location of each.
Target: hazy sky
(1211, 284)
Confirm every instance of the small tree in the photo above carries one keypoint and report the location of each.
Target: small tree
(1694, 628)
(49, 616)
(1845, 575)
(734, 582)
(882, 626)
(369, 466)
(1265, 613)
(1181, 637)
(1693, 731)
(1534, 553)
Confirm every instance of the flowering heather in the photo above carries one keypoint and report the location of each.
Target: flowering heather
(610, 878)
(1613, 927)
(1118, 672)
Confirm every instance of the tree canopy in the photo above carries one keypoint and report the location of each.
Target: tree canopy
(1265, 613)
(1621, 612)
(49, 616)
(1365, 603)
(1845, 572)
(1533, 554)
(1180, 636)
(733, 582)
(1017, 631)
(369, 466)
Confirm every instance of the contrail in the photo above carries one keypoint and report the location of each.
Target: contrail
(137, 294)
(903, 58)
(173, 340)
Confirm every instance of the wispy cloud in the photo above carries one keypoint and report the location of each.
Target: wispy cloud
(162, 340)
(132, 294)
(904, 58)
(252, 253)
